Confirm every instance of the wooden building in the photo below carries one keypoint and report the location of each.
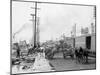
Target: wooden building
(86, 41)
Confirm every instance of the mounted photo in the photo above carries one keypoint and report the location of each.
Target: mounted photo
(52, 37)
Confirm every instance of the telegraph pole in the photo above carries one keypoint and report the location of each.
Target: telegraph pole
(35, 24)
(34, 16)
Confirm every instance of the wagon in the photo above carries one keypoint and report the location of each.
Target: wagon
(68, 52)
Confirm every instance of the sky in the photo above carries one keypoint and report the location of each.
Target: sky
(55, 20)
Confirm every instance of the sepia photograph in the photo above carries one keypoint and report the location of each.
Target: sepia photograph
(52, 37)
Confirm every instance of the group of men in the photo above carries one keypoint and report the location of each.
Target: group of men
(30, 50)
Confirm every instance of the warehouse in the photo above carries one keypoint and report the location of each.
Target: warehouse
(86, 41)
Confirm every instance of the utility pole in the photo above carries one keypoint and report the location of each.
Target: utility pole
(74, 35)
(34, 16)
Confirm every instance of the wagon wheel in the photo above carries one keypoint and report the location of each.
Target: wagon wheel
(72, 56)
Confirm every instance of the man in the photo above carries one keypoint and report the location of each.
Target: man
(81, 55)
(86, 55)
(77, 55)
(18, 51)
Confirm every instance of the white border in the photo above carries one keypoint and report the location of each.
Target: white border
(5, 37)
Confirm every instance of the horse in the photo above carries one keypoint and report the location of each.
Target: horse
(79, 55)
(85, 56)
